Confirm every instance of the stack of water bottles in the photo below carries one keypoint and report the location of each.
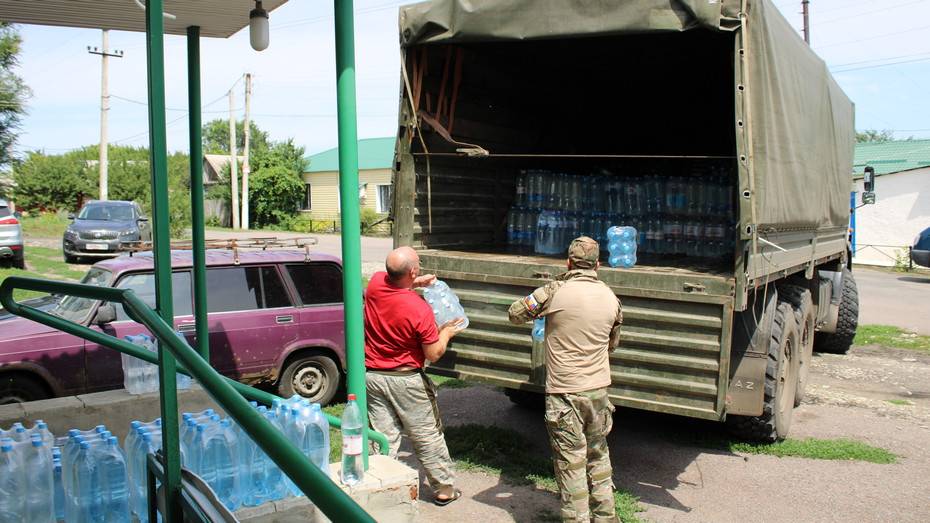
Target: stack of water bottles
(27, 474)
(141, 377)
(621, 246)
(445, 303)
(689, 214)
(143, 439)
(94, 477)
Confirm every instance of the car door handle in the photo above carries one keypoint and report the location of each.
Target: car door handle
(283, 320)
(187, 327)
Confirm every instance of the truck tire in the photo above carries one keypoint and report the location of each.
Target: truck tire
(313, 376)
(781, 380)
(840, 341)
(800, 300)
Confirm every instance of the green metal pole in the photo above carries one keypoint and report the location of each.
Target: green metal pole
(196, 154)
(348, 198)
(158, 163)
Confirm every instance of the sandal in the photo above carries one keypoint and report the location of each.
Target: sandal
(456, 494)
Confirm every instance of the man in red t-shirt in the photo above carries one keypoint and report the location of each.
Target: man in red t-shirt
(400, 333)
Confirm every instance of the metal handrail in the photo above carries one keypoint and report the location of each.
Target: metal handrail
(229, 394)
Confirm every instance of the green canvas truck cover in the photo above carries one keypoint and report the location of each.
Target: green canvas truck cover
(801, 122)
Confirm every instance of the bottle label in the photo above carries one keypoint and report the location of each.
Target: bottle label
(352, 445)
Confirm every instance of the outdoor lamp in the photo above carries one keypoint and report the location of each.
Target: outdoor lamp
(258, 27)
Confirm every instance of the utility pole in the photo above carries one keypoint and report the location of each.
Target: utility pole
(233, 162)
(105, 55)
(246, 168)
(807, 25)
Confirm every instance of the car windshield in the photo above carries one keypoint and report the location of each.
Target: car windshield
(76, 309)
(115, 213)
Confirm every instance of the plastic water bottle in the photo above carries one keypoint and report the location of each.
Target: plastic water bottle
(622, 246)
(444, 303)
(318, 436)
(41, 428)
(218, 449)
(539, 330)
(274, 477)
(12, 489)
(37, 476)
(114, 482)
(512, 226)
(86, 498)
(352, 471)
(57, 484)
(139, 377)
(521, 187)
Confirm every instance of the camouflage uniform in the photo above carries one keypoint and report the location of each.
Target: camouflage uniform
(582, 326)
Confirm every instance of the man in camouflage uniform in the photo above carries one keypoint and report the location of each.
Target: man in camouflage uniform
(583, 320)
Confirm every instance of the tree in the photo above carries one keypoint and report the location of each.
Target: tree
(873, 135)
(52, 183)
(216, 138)
(13, 92)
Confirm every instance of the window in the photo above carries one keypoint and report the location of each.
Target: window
(4, 211)
(244, 288)
(144, 287)
(274, 290)
(384, 198)
(76, 309)
(103, 212)
(305, 205)
(317, 283)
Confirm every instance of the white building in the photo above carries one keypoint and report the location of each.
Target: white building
(885, 230)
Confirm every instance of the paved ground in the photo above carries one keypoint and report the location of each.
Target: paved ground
(894, 298)
(678, 482)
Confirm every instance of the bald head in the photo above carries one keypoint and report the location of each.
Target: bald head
(402, 264)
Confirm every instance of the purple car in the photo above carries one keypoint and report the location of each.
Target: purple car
(275, 318)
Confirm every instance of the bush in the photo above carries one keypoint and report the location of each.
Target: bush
(52, 183)
(368, 218)
(275, 193)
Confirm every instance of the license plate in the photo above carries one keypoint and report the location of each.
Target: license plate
(97, 247)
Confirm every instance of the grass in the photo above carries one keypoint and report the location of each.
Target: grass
(445, 382)
(42, 262)
(515, 459)
(810, 448)
(815, 448)
(893, 337)
(47, 225)
(335, 434)
(903, 403)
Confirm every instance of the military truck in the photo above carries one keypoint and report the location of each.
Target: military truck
(714, 102)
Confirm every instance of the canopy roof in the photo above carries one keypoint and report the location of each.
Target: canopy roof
(216, 18)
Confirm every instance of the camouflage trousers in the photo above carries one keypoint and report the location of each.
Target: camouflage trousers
(405, 403)
(578, 424)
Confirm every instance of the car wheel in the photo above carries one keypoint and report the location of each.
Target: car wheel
(20, 261)
(20, 388)
(313, 376)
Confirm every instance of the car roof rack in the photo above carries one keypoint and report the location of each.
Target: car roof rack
(234, 244)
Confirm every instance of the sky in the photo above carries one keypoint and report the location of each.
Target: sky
(878, 50)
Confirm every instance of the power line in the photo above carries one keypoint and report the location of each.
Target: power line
(876, 37)
(883, 65)
(882, 10)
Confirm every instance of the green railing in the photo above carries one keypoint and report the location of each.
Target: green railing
(229, 394)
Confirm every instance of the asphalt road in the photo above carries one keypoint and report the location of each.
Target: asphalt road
(894, 298)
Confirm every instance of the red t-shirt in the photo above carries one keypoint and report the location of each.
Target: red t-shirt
(397, 324)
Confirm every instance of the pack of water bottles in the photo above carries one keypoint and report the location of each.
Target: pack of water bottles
(141, 377)
(689, 214)
(445, 303)
(27, 474)
(621, 246)
(94, 477)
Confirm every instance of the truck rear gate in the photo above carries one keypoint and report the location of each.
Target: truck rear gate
(674, 349)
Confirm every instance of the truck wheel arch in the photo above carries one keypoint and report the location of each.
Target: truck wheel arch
(31, 379)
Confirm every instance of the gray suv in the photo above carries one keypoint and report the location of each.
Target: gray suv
(11, 237)
(103, 229)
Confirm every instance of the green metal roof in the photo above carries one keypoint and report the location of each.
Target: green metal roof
(373, 153)
(892, 157)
